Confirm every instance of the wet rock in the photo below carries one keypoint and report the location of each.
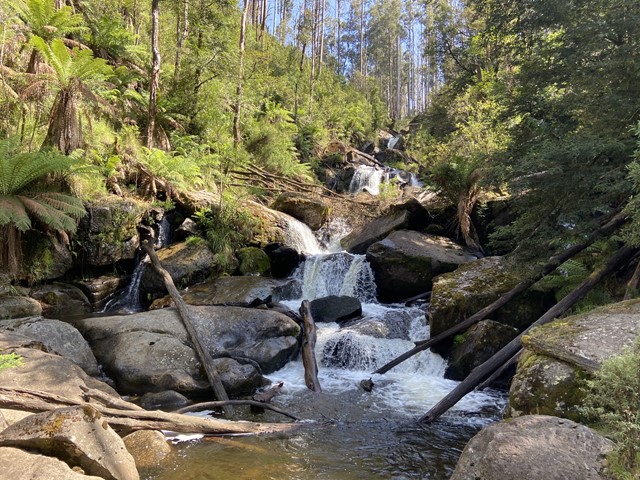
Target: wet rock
(284, 260)
(335, 308)
(45, 257)
(560, 355)
(150, 351)
(187, 263)
(311, 211)
(473, 286)
(60, 300)
(99, 290)
(59, 337)
(477, 345)
(394, 324)
(20, 465)
(148, 448)
(360, 239)
(253, 261)
(77, 435)
(405, 263)
(238, 378)
(350, 351)
(534, 448)
(167, 400)
(17, 307)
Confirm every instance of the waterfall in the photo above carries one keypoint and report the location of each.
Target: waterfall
(128, 301)
(163, 234)
(366, 179)
(393, 141)
(300, 236)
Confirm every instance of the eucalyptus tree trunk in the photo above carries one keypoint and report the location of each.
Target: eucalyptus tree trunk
(182, 32)
(237, 137)
(154, 80)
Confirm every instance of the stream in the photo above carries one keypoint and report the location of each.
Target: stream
(358, 434)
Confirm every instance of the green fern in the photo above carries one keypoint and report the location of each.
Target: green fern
(46, 21)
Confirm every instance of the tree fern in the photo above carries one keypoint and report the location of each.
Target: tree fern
(45, 20)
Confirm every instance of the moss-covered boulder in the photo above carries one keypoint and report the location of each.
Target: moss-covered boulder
(253, 261)
(60, 300)
(473, 286)
(45, 257)
(108, 233)
(406, 262)
(311, 211)
(560, 355)
(187, 262)
(477, 345)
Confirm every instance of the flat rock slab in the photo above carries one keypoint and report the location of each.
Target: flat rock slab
(77, 435)
(20, 465)
(586, 340)
(359, 240)
(534, 447)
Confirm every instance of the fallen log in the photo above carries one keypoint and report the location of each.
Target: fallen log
(552, 264)
(252, 403)
(494, 376)
(131, 420)
(481, 372)
(308, 346)
(203, 355)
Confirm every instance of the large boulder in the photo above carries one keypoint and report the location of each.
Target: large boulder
(477, 345)
(335, 308)
(18, 307)
(108, 233)
(459, 294)
(60, 300)
(237, 290)
(148, 448)
(77, 435)
(100, 289)
(45, 257)
(150, 351)
(360, 239)
(558, 356)
(20, 465)
(284, 260)
(59, 337)
(405, 263)
(534, 447)
(187, 263)
(311, 211)
(253, 261)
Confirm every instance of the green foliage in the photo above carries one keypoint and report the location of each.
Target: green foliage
(181, 171)
(45, 20)
(10, 360)
(612, 404)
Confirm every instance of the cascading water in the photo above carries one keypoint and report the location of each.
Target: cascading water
(367, 179)
(300, 236)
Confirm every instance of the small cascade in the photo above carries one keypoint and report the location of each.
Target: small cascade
(367, 179)
(300, 236)
(337, 274)
(163, 234)
(128, 301)
(393, 141)
(330, 234)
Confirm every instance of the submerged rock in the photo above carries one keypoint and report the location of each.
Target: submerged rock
(148, 448)
(535, 447)
(405, 263)
(559, 355)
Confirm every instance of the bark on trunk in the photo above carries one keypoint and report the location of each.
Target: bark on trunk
(308, 346)
(154, 79)
(237, 137)
(487, 368)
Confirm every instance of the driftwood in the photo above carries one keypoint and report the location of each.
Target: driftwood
(422, 296)
(481, 372)
(183, 310)
(494, 376)
(131, 420)
(552, 264)
(308, 346)
(366, 156)
(252, 403)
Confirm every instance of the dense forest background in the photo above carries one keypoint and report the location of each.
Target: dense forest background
(538, 100)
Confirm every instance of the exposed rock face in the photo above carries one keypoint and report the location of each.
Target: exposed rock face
(560, 354)
(60, 300)
(238, 378)
(473, 286)
(335, 308)
(284, 260)
(77, 435)
(187, 263)
(192, 201)
(108, 232)
(98, 290)
(405, 263)
(18, 307)
(477, 345)
(58, 337)
(150, 351)
(148, 448)
(20, 465)
(534, 448)
(359, 240)
(45, 257)
(311, 211)
(253, 261)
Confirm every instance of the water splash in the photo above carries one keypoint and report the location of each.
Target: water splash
(299, 236)
(367, 179)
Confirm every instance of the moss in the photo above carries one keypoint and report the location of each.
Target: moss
(253, 261)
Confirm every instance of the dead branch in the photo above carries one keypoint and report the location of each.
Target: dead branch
(308, 346)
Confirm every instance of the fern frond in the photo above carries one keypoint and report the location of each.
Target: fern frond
(13, 211)
(48, 215)
(66, 204)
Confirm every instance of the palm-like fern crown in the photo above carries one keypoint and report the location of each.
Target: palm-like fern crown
(45, 21)
(24, 195)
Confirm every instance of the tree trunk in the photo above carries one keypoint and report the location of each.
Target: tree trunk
(181, 306)
(487, 368)
(552, 264)
(308, 346)
(135, 419)
(65, 129)
(237, 136)
(182, 32)
(154, 80)
(632, 286)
